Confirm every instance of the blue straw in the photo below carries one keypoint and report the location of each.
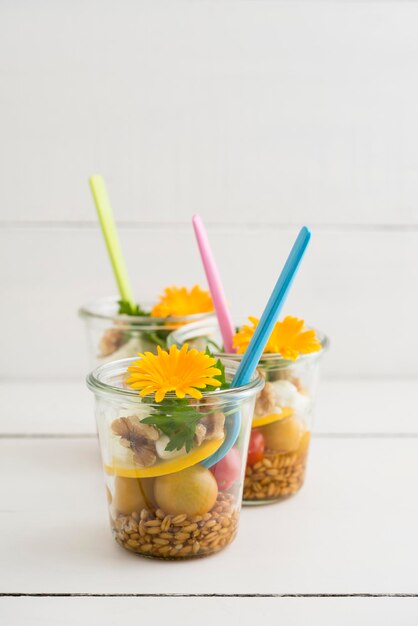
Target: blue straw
(261, 335)
(272, 311)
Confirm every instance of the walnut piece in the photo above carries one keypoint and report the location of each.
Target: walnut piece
(112, 340)
(139, 437)
(214, 424)
(298, 384)
(199, 435)
(266, 401)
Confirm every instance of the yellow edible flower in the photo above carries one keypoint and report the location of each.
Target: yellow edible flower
(183, 371)
(180, 302)
(289, 339)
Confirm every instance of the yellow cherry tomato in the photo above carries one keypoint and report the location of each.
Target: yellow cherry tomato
(283, 436)
(192, 491)
(129, 495)
(304, 442)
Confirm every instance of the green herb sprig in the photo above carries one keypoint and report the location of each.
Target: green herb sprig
(178, 422)
(157, 337)
(126, 308)
(223, 383)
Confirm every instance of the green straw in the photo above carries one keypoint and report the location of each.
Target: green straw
(105, 213)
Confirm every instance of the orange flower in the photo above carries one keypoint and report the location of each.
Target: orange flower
(180, 302)
(289, 339)
(182, 371)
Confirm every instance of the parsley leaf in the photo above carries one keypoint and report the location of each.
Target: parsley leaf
(178, 421)
(223, 383)
(125, 308)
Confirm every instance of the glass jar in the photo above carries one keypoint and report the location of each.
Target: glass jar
(282, 421)
(111, 336)
(178, 504)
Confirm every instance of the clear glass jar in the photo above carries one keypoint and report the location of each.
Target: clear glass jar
(111, 336)
(169, 505)
(282, 421)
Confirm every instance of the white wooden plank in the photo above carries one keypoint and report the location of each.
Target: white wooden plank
(367, 406)
(352, 407)
(54, 407)
(186, 611)
(273, 111)
(352, 529)
(356, 286)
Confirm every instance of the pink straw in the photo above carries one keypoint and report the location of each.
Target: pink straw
(215, 284)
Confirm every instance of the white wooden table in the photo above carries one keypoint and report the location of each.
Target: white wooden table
(262, 116)
(343, 551)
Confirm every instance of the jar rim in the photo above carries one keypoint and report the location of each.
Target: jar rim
(91, 310)
(202, 328)
(97, 385)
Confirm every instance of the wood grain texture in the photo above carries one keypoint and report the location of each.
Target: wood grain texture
(257, 111)
(352, 529)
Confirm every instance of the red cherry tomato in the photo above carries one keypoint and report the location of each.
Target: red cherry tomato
(227, 470)
(256, 447)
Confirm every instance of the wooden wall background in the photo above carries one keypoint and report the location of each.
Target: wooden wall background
(261, 115)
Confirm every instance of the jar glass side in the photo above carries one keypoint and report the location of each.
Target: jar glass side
(111, 336)
(282, 420)
(166, 503)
